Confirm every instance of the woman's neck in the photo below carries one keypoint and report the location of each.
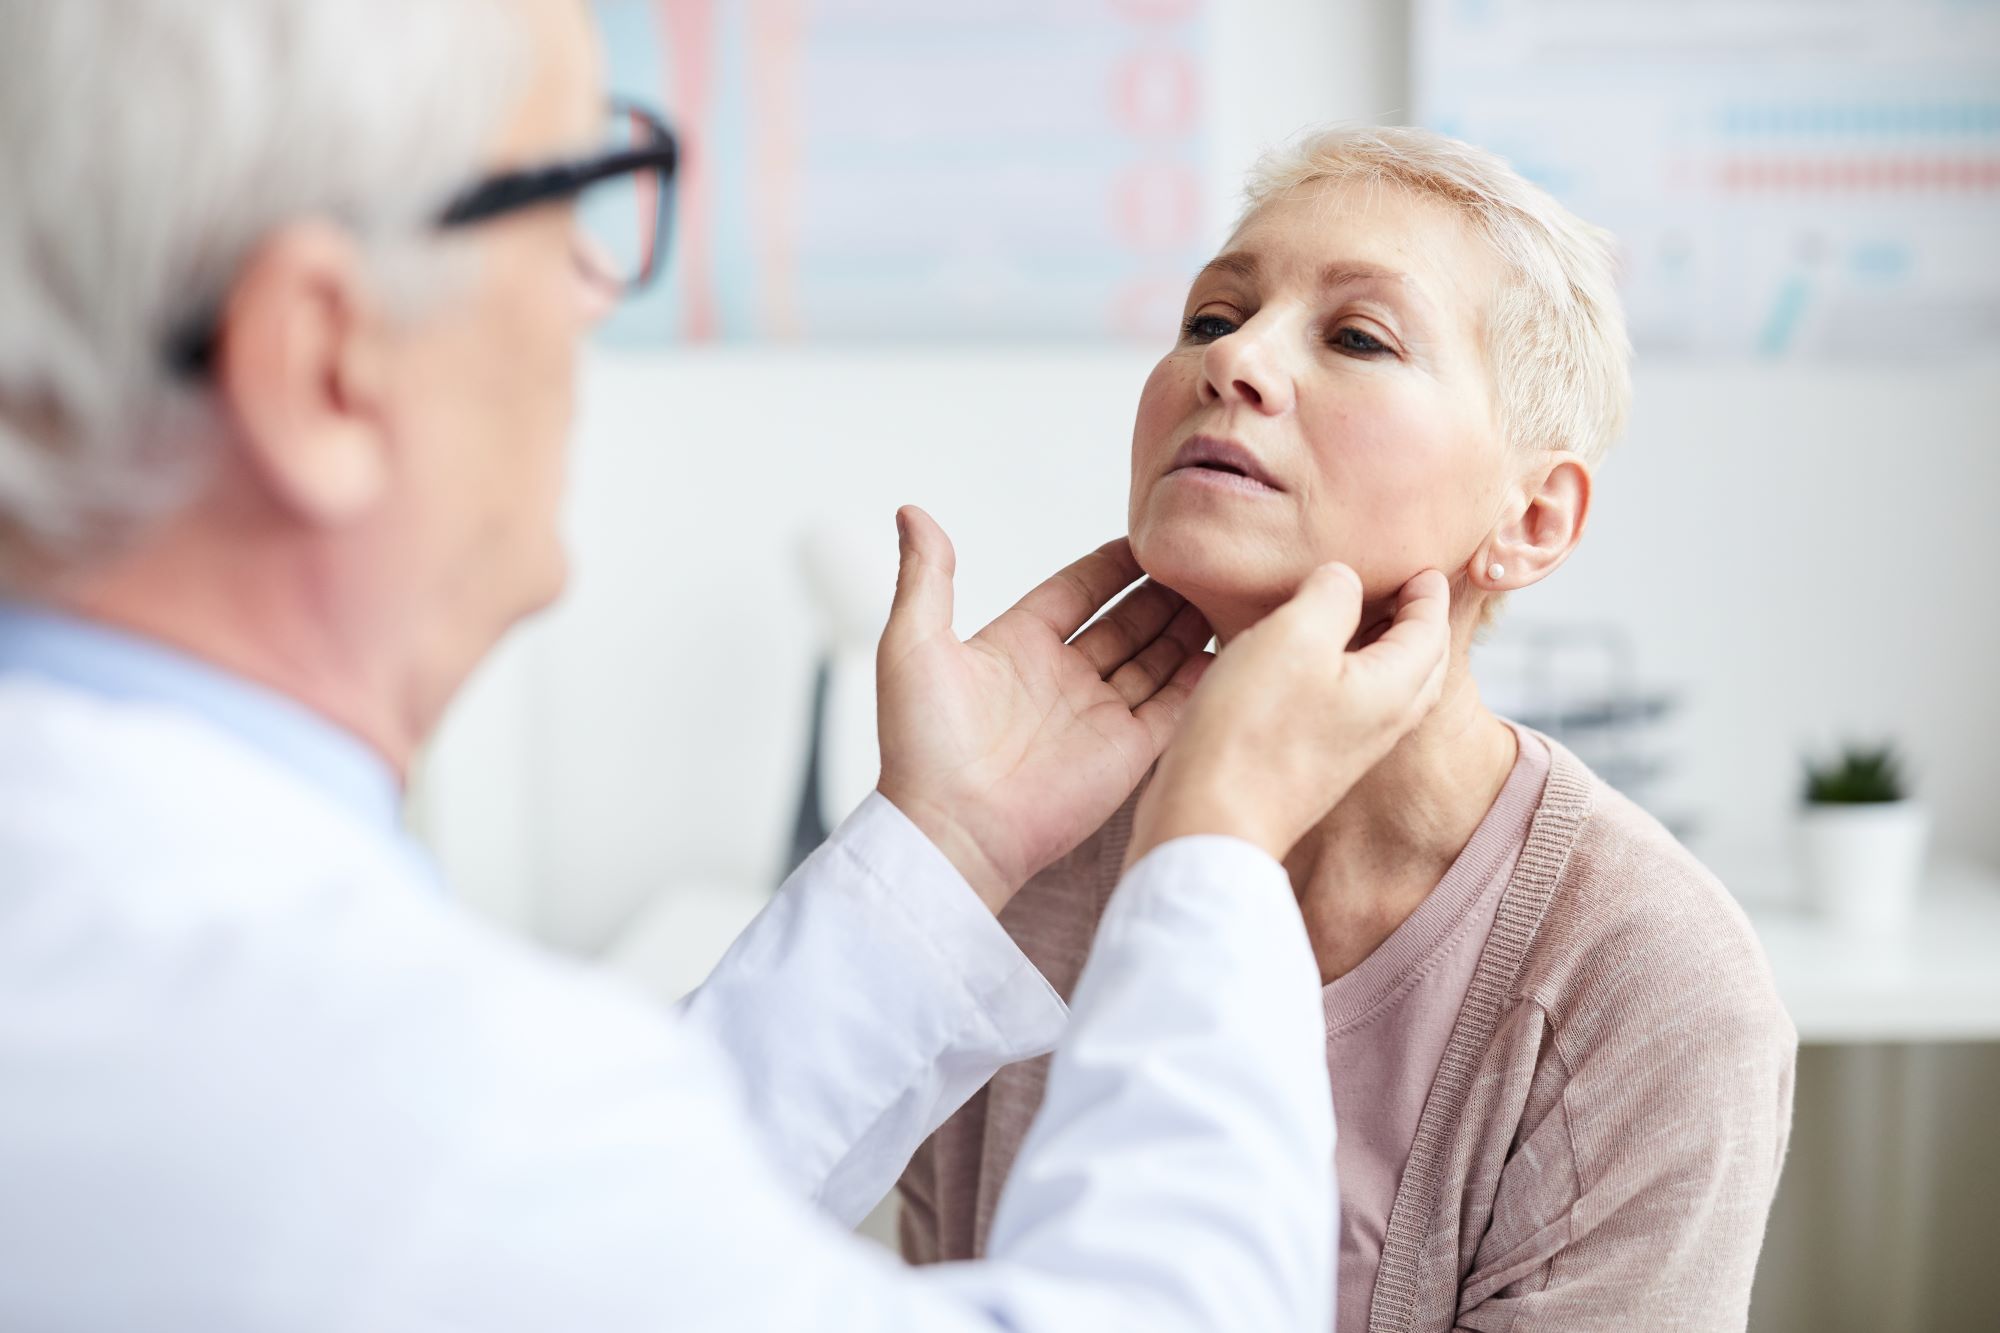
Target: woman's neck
(1371, 862)
(1377, 855)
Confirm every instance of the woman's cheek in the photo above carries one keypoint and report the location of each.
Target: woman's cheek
(1399, 453)
(1164, 402)
(1389, 495)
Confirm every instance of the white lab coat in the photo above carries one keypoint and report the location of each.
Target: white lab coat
(256, 1072)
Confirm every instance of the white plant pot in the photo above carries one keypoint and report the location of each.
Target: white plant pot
(1861, 864)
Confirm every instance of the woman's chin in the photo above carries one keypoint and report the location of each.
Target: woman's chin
(1218, 574)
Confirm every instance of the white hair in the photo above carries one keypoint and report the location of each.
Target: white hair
(148, 146)
(1555, 341)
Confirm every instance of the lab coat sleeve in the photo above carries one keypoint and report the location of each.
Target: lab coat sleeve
(1176, 1178)
(865, 1004)
(1181, 1161)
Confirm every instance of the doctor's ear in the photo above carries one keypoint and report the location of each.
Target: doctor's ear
(297, 370)
(1544, 523)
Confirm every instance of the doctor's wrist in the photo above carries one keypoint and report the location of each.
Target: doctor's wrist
(1173, 809)
(993, 886)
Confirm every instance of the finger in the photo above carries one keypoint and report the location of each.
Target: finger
(1436, 587)
(1117, 636)
(1414, 647)
(1141, 678)
(1162, 713)
(923, 601)
(1428, 584)
(1074, 594)
(1423, 611)
(1329, 600)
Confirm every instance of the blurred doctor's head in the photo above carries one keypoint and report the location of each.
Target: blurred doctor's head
(1405, 357)
(253, 398)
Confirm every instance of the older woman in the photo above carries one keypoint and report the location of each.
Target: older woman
(1561, 1074)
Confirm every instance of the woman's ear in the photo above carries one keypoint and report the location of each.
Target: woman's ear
(1543, 528)
(296, 372)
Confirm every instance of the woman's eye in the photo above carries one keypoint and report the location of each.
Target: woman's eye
(1206, 328)
(1351, 339)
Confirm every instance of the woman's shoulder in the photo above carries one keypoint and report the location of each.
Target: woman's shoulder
(1635, 926)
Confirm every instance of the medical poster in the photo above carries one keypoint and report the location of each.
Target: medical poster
(1788, 179)
(912, 170)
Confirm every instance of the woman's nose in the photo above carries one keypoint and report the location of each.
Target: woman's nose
(1240, 368)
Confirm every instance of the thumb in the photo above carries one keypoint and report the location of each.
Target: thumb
(923, 580)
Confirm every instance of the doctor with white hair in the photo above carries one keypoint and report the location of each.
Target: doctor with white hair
(293, 296)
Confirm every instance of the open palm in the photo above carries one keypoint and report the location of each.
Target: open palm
(1008, 749)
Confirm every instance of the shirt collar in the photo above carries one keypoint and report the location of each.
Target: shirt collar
(116, 665)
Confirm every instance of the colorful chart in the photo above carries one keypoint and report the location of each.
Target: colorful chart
(1785, 179)
(908, 170)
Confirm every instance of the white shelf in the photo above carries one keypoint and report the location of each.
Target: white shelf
(1935, 978)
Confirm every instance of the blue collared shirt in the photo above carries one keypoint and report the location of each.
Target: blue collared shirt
(116, 665)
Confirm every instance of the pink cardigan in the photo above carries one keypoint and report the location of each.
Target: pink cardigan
(1604, 1136)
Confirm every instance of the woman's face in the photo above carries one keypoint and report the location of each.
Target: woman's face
(1333, 353)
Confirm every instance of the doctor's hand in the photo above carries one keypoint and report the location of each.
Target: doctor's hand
(1290, 717)
(1010, 748)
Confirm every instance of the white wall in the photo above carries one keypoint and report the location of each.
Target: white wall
(1808, 553)
(651, 731)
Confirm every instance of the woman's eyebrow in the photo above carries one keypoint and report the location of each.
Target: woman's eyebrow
(1406, 293)
(1238, 263)
(1244, 264)
(1342, 273)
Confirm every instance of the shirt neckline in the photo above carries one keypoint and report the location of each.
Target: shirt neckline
(1473, 875)
(113, 664)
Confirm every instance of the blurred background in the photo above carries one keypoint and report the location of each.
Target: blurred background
(927, 253)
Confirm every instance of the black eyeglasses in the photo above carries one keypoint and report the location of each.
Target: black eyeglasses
(623, 194)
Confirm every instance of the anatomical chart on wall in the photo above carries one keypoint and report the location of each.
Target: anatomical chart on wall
(1787, 178)
(912, 170)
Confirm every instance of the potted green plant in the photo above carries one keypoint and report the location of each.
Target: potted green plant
(1862, 837)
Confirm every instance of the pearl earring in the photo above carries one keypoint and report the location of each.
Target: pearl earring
(1496, 572)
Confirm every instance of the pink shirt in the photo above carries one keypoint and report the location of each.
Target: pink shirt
(1388, 1021)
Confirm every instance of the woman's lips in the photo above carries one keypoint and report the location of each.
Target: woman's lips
(1210, 477)
(1212, 460)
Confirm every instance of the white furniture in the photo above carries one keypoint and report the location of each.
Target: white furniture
(1934, 978)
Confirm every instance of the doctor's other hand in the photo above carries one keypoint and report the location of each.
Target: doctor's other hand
(1290, 718)
(1010, 748)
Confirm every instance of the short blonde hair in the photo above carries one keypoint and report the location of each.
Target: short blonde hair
(1556, 347)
